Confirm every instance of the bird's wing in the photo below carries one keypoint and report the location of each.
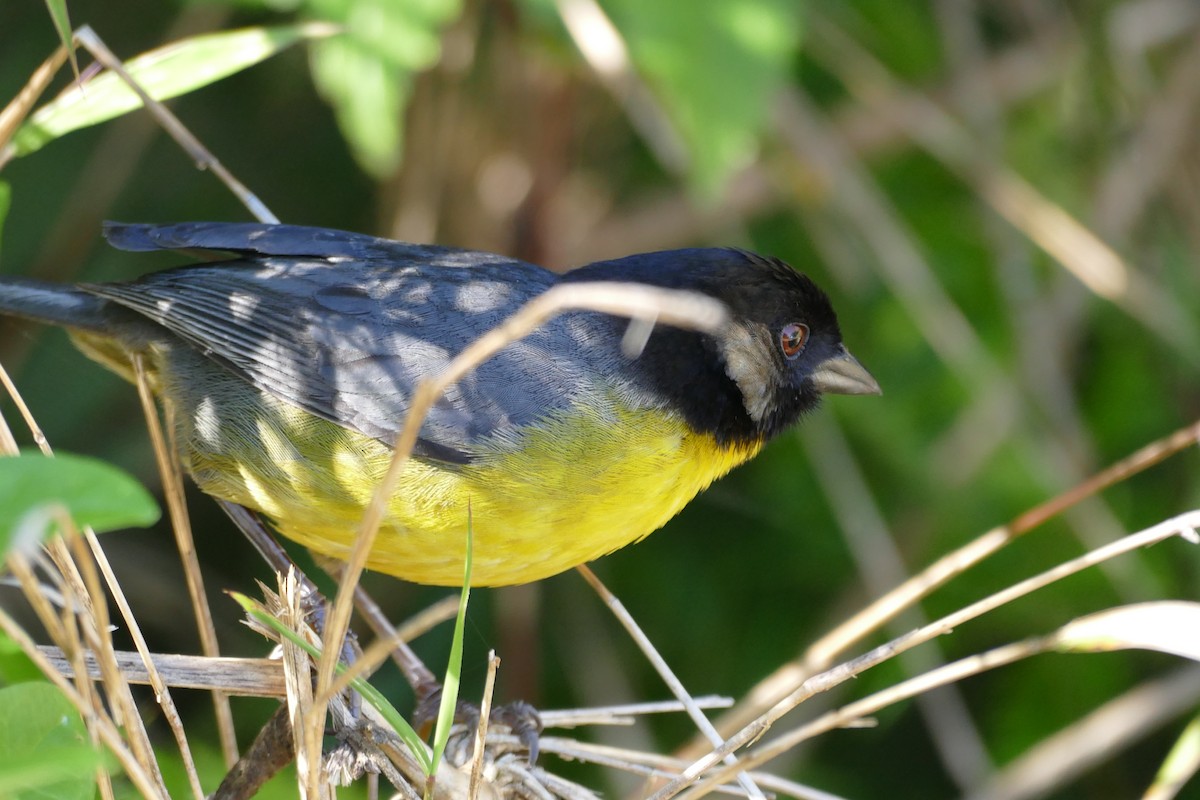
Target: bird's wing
(349, 340)
(215, 240)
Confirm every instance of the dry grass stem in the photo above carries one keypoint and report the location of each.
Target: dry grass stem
(298, 681)
(410, 665)
(1184, 525)
(660, 767)
(85, 625)
(823, 651)
(481, 730)
(243, 677)
(949, 673)
(35, 430)
(19, 107)
(1054, 763)
(881, 565)
(1094, 739)
(664, 671)
(624, 714)
(172, 484)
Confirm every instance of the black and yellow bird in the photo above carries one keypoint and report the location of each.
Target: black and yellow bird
(289, 368)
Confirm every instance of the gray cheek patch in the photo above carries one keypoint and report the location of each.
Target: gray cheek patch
(748, 363)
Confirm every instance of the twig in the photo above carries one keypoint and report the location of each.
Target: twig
(246, 677)
(172, 484)
(19, 107)
(485, 712)
(665, 672)
(1184, 525)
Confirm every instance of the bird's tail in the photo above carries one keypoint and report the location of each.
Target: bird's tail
(54, 304)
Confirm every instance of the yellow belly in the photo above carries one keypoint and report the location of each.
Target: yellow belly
(543, 500)
(575, 488)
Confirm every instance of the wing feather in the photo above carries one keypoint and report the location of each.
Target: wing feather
(344, 326)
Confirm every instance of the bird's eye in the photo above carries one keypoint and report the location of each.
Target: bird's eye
(792, 339)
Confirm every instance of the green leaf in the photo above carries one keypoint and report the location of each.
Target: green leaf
(715, 65)
(92, 492)
(368, 98)
(15, 666)
(44, 750)
(165, 72)
(366, 73)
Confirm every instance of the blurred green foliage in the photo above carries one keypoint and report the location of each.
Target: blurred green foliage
(1006, 381)
(44, 748)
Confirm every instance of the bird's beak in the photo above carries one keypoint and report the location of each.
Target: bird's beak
(842, 374)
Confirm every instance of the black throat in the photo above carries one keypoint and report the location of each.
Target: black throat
(686, 371)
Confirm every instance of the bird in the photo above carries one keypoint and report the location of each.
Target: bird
(288, 357)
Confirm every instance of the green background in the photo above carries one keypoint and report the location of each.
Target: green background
(811, 132)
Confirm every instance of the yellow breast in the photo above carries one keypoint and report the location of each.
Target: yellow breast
(541, 501)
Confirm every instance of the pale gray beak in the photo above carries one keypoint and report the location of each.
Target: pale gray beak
(842, 374)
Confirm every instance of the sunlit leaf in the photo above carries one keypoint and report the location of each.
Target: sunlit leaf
(714, 65)
(1167, 626)
(366, 73)
(44, 751)
(93, 493)
(163, 73)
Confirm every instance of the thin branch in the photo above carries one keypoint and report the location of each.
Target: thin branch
(1184, 525)
(665, 672)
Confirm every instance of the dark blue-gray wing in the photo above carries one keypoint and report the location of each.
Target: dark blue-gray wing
(222, 238)
(350, 341)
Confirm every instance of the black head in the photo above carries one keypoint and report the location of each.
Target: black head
(784, 347)
(779, 354)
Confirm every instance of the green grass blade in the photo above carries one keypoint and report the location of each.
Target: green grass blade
(61, 19)
(445, 718)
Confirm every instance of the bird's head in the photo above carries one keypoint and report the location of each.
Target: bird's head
(783, 347)
(780, 352)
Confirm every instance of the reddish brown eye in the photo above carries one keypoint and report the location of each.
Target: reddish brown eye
(792, 339)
